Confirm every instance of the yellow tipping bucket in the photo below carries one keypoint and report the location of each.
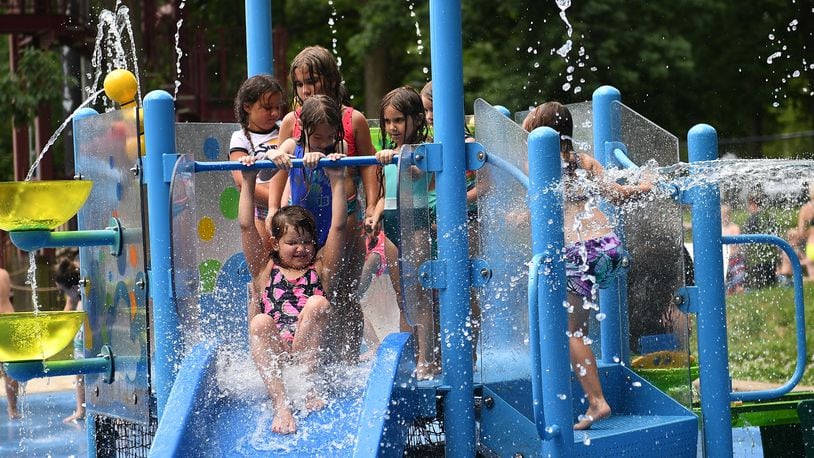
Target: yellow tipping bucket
(27, 336)
(40, 205)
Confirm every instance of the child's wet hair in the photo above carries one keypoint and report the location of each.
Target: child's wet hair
(556, 116)
(252, 90)
(318, 63)
(408, 102)
(296, 217)
(320, 109)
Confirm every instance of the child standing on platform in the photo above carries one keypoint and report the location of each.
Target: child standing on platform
(290, 310)
(593, 253)
(11, 385)
(259, 106)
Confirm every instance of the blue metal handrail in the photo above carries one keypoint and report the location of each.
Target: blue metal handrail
(799, 308)
(506, 166)
(356, 161)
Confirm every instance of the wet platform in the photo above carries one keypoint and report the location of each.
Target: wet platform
(41, 432)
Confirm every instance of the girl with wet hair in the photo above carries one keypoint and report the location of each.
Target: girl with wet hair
(593, 253)
(291, 282)
(315, 72)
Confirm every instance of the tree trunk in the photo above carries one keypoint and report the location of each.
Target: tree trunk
(376, 81)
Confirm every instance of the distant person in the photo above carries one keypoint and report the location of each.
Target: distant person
(12, 387)
(735, 261)
(66, 278)
(803, 236)
(259, 105)
(761, 259)
(593, 253)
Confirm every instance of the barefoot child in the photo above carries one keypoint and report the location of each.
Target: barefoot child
(11, 385)
(66, 277)
(289, 310)
(593, 253)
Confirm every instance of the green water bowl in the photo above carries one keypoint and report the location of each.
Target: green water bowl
(670, 378)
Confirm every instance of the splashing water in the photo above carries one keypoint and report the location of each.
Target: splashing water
(31, 280)
(178, 52)
(419, 41)
(332, 22)
(780, 56)
(56, 134)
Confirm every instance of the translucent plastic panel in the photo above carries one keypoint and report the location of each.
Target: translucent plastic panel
(416, 194)
(654, 240)
(208, 237)
(115, 298)
(506, 247)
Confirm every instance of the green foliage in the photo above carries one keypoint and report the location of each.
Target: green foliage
(38, 79)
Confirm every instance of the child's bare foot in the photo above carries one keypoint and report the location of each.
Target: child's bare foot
(283, 422)
(595, 413)
(77, 416)
(314, 402)
(14, 415)
(427, 371)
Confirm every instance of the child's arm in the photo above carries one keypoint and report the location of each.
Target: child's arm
(252, 243)
(334, 248)
(281, 157)
(370, 175)
(613, 191)
(287, 127)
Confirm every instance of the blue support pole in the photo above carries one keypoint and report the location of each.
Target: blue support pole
(159, 137)
(456, 335)
(552, 410)
(259, 48)
(702, 142)
(612, 300)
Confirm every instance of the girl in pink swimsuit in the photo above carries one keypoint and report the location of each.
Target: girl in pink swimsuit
(289, 311)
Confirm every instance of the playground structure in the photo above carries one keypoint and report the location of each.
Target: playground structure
(165, 289)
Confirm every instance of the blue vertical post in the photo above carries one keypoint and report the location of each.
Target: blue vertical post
(259, 49)
(612, 300)
(456, 344)
(159, 139)
(713, 354)
(547, 238)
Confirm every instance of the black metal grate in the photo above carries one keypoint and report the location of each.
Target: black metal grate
(118, 438)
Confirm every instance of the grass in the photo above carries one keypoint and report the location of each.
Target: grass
(762, 334)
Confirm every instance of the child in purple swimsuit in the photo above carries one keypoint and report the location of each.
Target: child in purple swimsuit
(593, 253)
(289, 311)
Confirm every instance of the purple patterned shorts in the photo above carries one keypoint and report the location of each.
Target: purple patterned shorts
(592, 263)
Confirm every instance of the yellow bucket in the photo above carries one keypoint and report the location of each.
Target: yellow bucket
(40, 205)
(26, 336)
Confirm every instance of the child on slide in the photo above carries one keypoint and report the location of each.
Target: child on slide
(289, 310)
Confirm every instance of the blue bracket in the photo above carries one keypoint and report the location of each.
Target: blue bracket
(617, 153)
(35, 240)
(27, 370)
(686, 299)
(168, 163)
(428, 157)
(479, 272)
(475, 155)
(432, 274)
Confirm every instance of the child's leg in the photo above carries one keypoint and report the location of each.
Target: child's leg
(12, 387)
(369, 269)
(267, 349)
(311, 324)
(79, 413)
(583, 362)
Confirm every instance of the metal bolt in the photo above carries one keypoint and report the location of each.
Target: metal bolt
(485, 273)
(678, 300)
(135, 398)
(419, 157)
(135, 170)
(625, 262)
(424, 275)
(78, 176)
(96, 391)
(489, 402)
(140, 284)
(481, 155)
(84, 282)
(518, 455)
